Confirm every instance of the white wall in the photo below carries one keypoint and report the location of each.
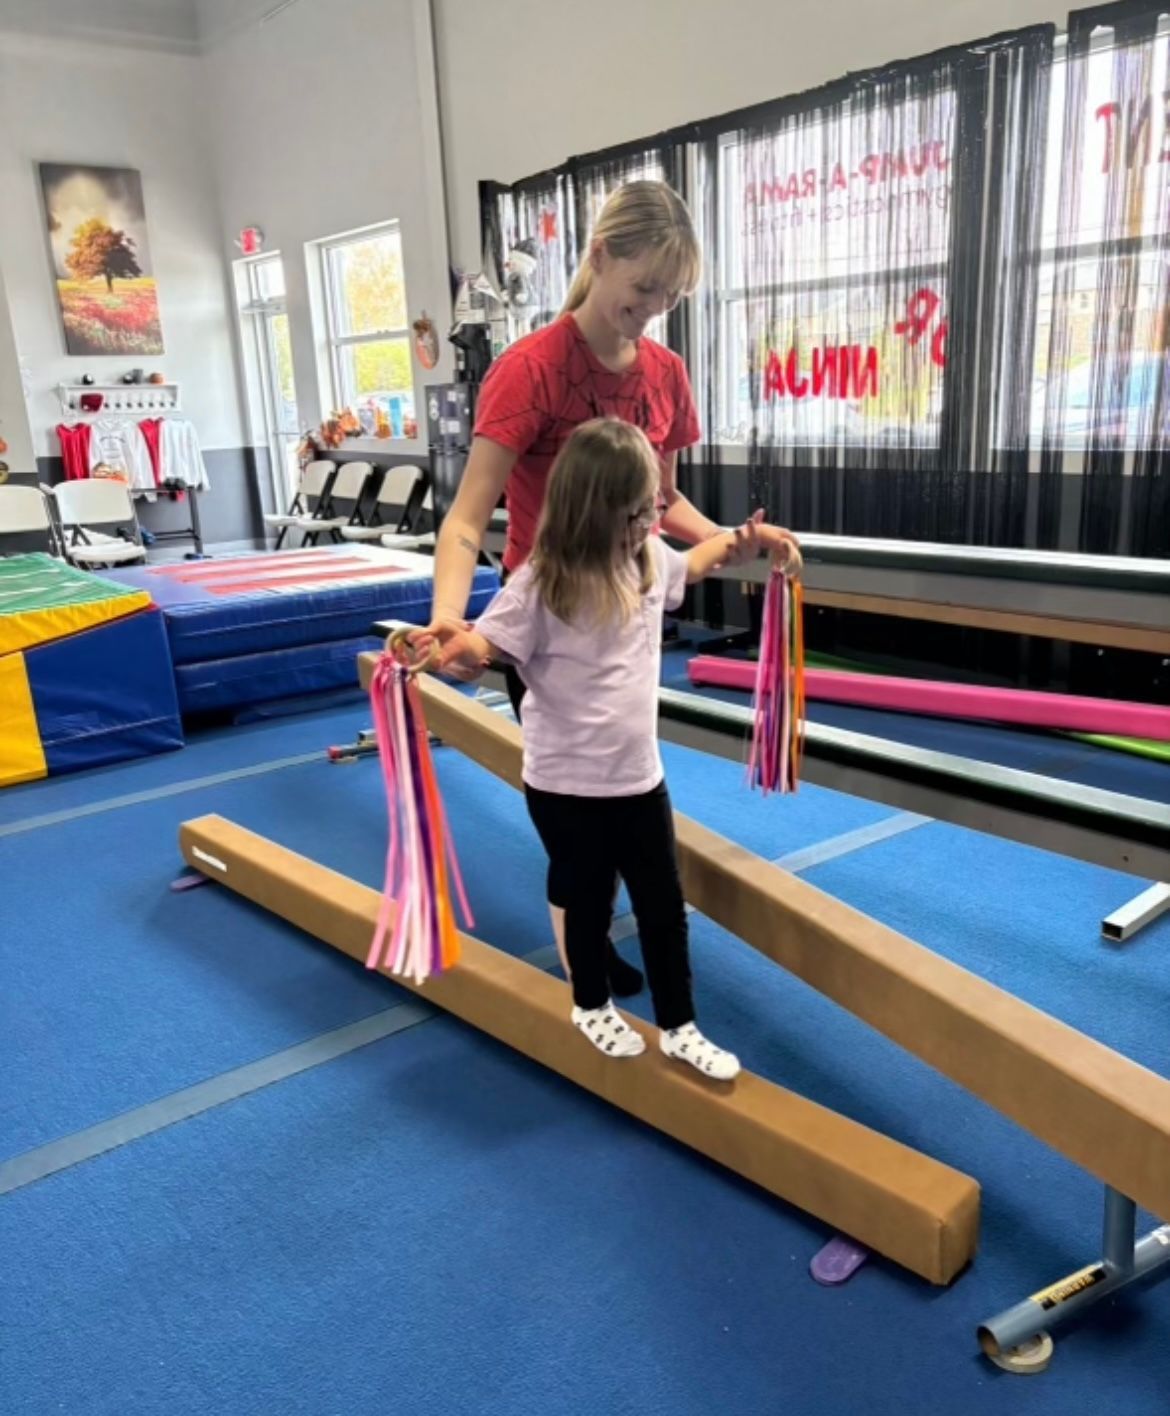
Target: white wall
(323, 122)
(64, 101)
(14, 425)
(525, 84)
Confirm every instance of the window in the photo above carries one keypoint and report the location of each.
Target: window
(368, 328)
(1097, 376)
(830, 280)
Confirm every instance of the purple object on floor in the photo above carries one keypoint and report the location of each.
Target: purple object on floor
(837, 1261)
(190, 882)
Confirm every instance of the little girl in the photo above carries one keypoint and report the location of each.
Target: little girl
(581, 620)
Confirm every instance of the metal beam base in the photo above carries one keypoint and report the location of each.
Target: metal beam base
(1015, 1340)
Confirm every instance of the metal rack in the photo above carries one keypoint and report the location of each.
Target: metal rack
(143, 400)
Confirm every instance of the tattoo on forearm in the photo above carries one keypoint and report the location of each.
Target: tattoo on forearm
(468, 545)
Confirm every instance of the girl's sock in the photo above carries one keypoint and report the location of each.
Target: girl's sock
(608, 1031)
(687, 1044)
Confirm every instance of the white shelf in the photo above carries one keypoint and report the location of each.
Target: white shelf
(400, 447)
(144, 400)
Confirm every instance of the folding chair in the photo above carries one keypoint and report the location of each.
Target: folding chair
(348, 485)
(23, 513)
(57, 536)
(85, 504)
(405, 490)
(310, 489)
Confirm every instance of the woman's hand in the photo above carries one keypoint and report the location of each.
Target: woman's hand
(783, 547)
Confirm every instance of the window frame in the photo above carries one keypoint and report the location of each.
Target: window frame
(332, 309)
(256, 311)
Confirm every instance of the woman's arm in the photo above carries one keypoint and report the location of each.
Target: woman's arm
(682, 519)
(488, 467)
(728, 547)
(685, 522)
(505, 632)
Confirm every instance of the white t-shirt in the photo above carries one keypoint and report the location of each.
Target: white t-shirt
(180, 457)
(120, 445)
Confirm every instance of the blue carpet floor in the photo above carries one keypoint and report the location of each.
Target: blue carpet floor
(432, 1224)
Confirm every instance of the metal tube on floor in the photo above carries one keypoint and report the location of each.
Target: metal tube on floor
(1078, 1291)
(1124, 923)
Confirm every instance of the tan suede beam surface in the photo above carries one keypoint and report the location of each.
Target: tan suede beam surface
(914, 1210)
(1100, 1109)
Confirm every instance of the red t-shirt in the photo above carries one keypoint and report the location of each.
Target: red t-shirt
(550, 382)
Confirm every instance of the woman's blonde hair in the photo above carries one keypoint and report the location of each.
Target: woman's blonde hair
(603, 478)
(639, 219)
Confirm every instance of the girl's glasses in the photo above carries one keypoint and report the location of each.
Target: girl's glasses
(648, 515)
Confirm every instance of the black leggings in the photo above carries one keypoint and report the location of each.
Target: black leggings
(591, 841)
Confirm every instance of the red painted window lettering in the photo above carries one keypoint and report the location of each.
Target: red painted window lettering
(824, 363)
(838, 371)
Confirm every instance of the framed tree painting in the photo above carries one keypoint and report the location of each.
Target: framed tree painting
(101, 259)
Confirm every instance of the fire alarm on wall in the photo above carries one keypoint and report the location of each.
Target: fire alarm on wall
(250, 240)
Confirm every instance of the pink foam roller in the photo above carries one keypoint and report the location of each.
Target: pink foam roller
(956, 700)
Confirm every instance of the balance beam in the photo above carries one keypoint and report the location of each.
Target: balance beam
(914, 1210)
(1112, 634)
(1098, 1108)
(1145, 639)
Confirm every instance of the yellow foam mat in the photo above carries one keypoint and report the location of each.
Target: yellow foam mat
(22, 757)
(27, 628)
(42, 599)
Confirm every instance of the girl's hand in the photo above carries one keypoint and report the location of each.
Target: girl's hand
(463, 653)
(744, 545)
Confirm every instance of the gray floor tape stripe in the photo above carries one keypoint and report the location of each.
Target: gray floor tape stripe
(84, 1145)
(625, 927)
(836, 846)
(192, 784)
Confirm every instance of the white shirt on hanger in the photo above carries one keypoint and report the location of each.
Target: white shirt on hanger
(181, 459)
(119, 444)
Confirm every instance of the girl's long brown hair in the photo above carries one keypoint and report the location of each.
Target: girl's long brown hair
(582, 562)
